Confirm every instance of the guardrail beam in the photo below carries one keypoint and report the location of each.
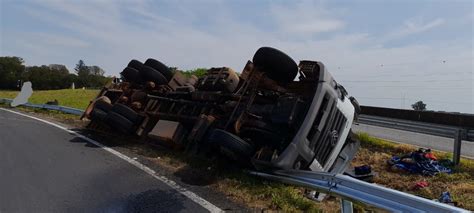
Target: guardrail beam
(352, 189)
(64, 109)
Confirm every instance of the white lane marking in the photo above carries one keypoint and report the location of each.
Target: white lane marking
(192, 196)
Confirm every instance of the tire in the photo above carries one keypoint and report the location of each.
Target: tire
(231, 145)
(139, 96)
(135, 64)
(102, 105)
(105, 105)
(160, 67)
(276, 64)
(120, 123)
(127, 113)
(98, 114)
(131, 75)
(149, 74)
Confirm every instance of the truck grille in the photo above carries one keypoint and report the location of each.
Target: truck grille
(323, 140)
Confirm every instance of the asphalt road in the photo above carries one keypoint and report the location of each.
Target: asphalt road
(46, 169)
(417, 139)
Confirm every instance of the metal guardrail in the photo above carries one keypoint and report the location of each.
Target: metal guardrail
(415, 126)
(64, 109)
(470, 134)
(351, 189)
(458, 133)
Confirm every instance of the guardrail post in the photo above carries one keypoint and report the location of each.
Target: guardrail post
(457, 146)
(346, 206)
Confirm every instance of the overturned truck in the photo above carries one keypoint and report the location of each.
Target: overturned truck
(261, 118)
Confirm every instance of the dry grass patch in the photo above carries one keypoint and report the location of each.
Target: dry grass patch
(375, 152)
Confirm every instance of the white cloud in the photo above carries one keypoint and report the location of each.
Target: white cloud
(414, 26)
(53, 40)
(306, 18)
(100, 36)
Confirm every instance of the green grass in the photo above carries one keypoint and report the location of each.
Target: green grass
(66, 97)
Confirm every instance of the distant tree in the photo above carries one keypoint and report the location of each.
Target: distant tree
(419, 106)
(11, 71)
(39, 76)
(90, 76)
(81, 68)
(197, 72)
(82, 71)
(96, 78)
(96, 70)
(47, 77)
(53, 76)
(60, 76)
(58, 67)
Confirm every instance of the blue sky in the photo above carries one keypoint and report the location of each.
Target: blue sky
(386, 53)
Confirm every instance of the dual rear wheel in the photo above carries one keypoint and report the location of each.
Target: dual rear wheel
(152, 70)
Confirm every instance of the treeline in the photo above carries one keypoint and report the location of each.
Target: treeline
(198, 72)
(46, 77)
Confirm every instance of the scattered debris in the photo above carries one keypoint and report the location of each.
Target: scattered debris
(54, 102)
(421, 161)
(446, 163)
(363, 173)
(362, 170)
(445, 197)
(420, 185)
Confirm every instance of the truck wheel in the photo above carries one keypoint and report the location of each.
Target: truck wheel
(98, 114)
(160, 67)
(139, 96)
(119, 122)
(135, 64)
(231, 145)
(103, 101)
(150, 74)
(128, 113)
(131, 75)
(276, 64)
(102, 105)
